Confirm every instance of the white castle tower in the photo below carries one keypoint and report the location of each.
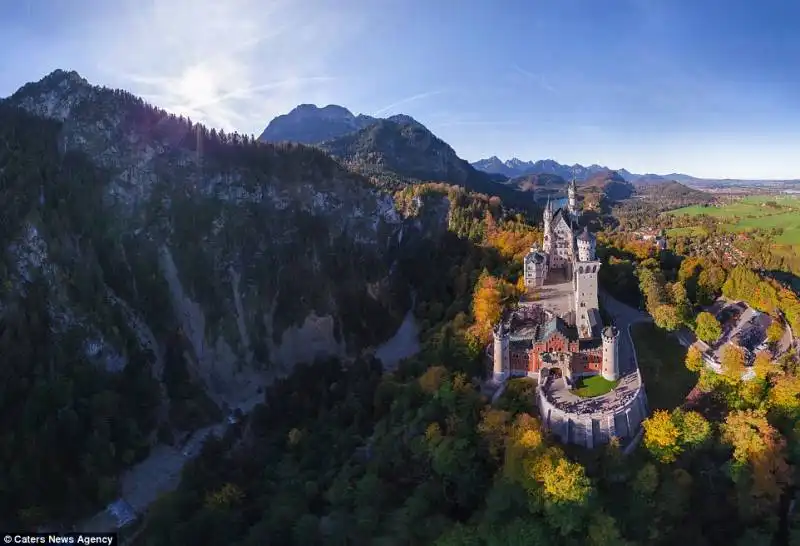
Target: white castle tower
(584, 271)
(548, 236)
(572, 198)
(500, 360)
(587, 244)
(610, 337)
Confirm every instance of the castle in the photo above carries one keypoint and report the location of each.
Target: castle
(532, 337)
(559, 338)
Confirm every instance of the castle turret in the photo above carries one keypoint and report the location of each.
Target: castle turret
(572, 198)
(548, 236)
(587, 244)
(501, 358)
(535, 268)
(610, 337)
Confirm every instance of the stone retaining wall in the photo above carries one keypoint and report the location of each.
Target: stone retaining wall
(594, 429)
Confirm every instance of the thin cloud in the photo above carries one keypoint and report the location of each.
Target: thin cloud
(408, 100)
(232, 65)
(477, 124)
(539, 79)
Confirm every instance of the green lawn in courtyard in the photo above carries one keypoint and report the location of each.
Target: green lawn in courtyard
(593, 386)
(661, 363)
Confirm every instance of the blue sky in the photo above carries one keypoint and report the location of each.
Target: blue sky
(709, 88)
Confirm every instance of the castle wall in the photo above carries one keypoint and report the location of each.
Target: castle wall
(594, 429)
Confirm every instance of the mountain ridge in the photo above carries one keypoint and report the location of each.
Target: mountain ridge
(515, 167)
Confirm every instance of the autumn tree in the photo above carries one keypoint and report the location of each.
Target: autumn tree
(694, 359)
(775, 331)
(694, 429)
(763, 366)
(732, 360)
(490, 295)
(784, 396)
(494, 428)
(662, 436)
(667, 316)
(759, 453)
(708, 327)
(432, 379)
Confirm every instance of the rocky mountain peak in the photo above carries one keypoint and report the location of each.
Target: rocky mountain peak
(330, 111)
(405, 119)
(53, 96)
(310, 124)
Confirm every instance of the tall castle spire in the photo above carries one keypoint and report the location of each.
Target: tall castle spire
(572, 199)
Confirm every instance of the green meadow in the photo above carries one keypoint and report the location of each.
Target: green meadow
(754, 212)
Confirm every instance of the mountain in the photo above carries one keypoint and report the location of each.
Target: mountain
(308, 124)
(158, 274)
(494, 165)
(402, 146)
(515, 167)
(606, 185)
(671, 194)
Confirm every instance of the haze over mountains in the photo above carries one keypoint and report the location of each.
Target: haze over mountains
(515, 167)
(309, 124)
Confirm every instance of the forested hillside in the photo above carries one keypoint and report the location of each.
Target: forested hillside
(157, 274)
(344, 455)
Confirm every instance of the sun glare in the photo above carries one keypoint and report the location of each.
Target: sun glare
(198, 86)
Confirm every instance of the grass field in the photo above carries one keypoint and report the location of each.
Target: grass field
(661, 363)
(686, 231)
(753, 212)
(594, 386)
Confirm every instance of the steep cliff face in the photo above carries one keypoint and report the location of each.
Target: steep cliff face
(259, 256)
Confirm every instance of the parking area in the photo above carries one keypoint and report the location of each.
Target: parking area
(741, 325)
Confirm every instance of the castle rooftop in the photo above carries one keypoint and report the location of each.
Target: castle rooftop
(586, 236)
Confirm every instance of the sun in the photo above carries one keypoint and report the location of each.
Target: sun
(197, 86)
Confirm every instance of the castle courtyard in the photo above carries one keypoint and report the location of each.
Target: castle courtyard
(556, 294)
